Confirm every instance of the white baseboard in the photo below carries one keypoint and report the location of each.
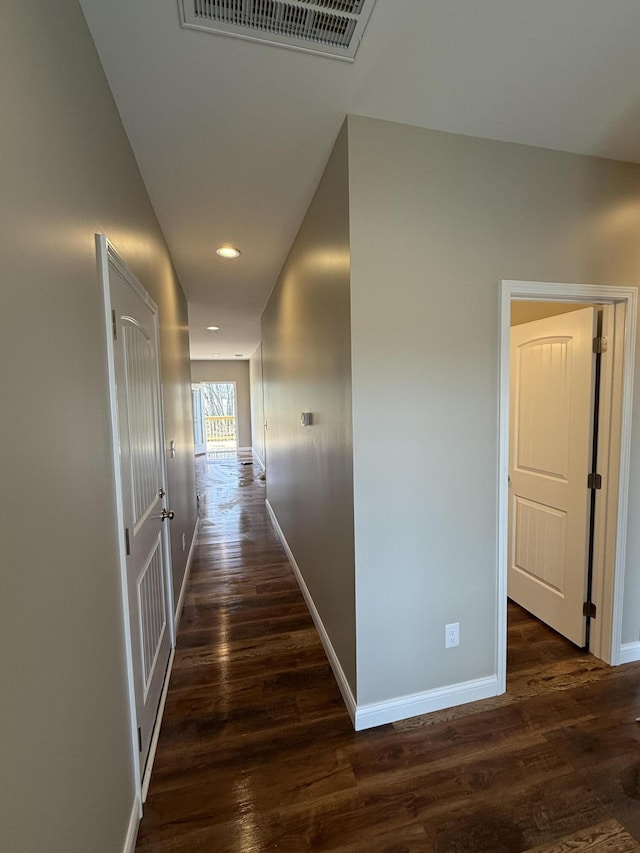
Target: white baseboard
(338, 672)
(629, 652)
(256, 458)
(132, 830)
(187, 571)
(379, 713)
(156, 729)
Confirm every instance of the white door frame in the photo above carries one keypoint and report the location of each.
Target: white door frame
(106, 254)
(539, 291)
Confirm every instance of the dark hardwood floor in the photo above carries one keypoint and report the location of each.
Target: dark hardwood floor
(257, 752)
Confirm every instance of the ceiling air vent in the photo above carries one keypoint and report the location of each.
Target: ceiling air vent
(331, 27)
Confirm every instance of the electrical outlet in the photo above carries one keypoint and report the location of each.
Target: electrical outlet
(184, 542)
(452, 635)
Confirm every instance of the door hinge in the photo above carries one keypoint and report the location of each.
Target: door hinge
(600, 344)
(114, 324)
(589, 609)
(594, 481)
(139, 739)
(127, 543)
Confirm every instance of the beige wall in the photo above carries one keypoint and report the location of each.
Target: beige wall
(68, 172)
(229, 371)
(307, 366)
(257, 404)
(437, 220)
(526, 312)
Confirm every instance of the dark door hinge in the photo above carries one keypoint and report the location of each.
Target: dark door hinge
(589, 609)
(139, 739)
(114, 324)
(600, 344)
(127, 542)
(594, 481)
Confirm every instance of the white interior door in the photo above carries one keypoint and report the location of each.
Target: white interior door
(551, 421)
(143, 481)
(199, 434)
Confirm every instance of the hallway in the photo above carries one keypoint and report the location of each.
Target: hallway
(257, 752)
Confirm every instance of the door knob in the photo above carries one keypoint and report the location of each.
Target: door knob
(167, 513)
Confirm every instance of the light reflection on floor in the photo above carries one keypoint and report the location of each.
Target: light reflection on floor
(225, 481)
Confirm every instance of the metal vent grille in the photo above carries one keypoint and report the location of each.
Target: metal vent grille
(351, 7)
(330, 27)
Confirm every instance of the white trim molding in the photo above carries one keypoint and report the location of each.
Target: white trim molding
(134, 823)
(559, 292)
(392, 710)
(257, 459)
(629, 653)
(338, 672)
(185, 579)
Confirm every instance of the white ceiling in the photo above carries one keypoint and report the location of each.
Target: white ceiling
(232, 136)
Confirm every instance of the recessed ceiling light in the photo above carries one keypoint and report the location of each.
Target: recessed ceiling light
(213, 328)
(228, 252)
(216, 355)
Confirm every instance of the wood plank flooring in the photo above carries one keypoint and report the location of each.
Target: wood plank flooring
(257, 752)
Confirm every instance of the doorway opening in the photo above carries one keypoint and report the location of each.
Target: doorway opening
(220, 416)
(536, 581)
(199, 441)
(553, 391)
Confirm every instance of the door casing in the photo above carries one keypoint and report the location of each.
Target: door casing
(615, 442)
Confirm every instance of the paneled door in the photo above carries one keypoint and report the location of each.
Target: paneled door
(551, 424)
(142, 474)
